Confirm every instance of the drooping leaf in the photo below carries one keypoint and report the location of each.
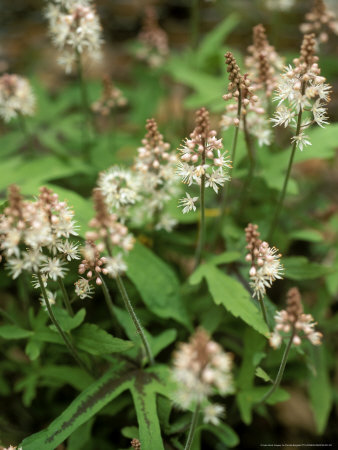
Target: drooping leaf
(228, 292)
(14, 332)
(85, 406)
(96, 341)
(157, 284)
(320, 390)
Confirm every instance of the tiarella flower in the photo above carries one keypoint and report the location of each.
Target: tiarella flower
(53, 267)
(166, 223)
(292, 322)
(200, 371)
(75, 29)
(36, 283)
(302, 92)
(212, 413)
(265, 262)
(69, 249)
(201, 157)
(188, 203)
(115, 265)
(155, 167)
(320, 20)
(51, 299)
(154, 47)
(111, 98)
(83, 288)
(242, 95)
(120, 187)
(16, 97)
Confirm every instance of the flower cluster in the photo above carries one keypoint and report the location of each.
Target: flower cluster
(294, 323)
(202, 159)
(246, 109)
(16, 97)
(110, 99)
(318, 19)
(265, 262)
(155, 166)
(112, 236)
(35, 236)
(201, 369)
(75, 29)
(263, 62)
(154, 40)
(302, 89)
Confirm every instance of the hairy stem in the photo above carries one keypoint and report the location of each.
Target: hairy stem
(262, 305)
(66, 300)
(192, 427)
(64, 336)
(134, 318)
(280, 370)
(109, 303)
(225, 191)
(279, 205)
(85, 107)
(201, 229)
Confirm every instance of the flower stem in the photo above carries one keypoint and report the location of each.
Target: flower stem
(225, 192)
(66, 300)
(251, 155)
(262, 305)
(109, 302)
(66, 339)
(279, 205)
(201, 229)
(280, 371)
(192, 427)
(134, 318)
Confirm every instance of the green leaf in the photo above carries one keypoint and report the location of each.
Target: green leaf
(306, 235)
(215, 39)
(225, 258)
(320, 390)
(14, 332)
(32, 349)
(85, 406)
(74, 376)
(224, 433)
(96, 341)
(81, 436)
(231, 294)
(66, 321)
(299, 268)
(260, 373)
(318, 136)
(130, 432)
(157, 284)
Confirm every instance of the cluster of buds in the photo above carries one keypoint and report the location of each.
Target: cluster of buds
(202, 160)
(263, 62)
(265, 262)
(302, 89)
(246, 107)
(201, 369)
(318, 19)
(110, 99)
(136, 444)
(91, 265)
(112, 236)
(34, 236)
(153, 39)
(16, 97)
(155, 166)
(75, 29)
(292, 322)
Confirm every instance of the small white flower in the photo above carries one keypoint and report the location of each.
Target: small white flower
(214, 179)
(15, 267)
(83, 288)
(212, 413)
(51, 296)
(115, 265)
(275, 340)
(283, 116)
(188, 203)
(53, 267)
(69, 249)
(301, 140)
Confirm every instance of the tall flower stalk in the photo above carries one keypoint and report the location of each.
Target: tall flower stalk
(202, 162)
(112, 236)
(265, 265)
(295, 325)
(301, 92)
